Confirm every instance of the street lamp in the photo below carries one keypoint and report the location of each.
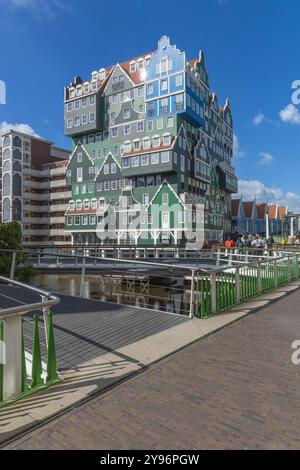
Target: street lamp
(267, 222)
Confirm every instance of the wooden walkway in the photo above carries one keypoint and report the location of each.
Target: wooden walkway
(236, 389)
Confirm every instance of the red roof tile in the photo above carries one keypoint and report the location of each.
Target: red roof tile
(235, 205)
(248, 209)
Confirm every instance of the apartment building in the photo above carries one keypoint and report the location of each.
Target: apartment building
(148, 133)
(34, 188)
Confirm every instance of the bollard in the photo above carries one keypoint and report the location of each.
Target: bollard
(36, 356)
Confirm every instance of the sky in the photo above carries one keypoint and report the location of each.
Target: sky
(251, 52)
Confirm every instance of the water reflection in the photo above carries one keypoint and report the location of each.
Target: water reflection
(157, 297)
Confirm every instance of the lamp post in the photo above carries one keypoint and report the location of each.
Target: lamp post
(267, 223)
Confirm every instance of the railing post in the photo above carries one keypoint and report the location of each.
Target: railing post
(259, 285)
(82, 278)
(218, 257)
(246, 256)
(237, 285)
(289, 269)
(213, 293)
(230, 257)
(13, 265)
(45, 317)
(275, 273)
(192, 300)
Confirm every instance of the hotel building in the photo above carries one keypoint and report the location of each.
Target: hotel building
(148, 133)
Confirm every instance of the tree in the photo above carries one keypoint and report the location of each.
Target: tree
(11, 239)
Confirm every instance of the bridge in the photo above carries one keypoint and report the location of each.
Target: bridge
(100, 344)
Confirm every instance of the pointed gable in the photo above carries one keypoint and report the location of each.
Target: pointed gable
(80, 159)
(113, 167)
(248, 209)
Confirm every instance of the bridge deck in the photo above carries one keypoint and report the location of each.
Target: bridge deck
(235, 389)
(85, 329)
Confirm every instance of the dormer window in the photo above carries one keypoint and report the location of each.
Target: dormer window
(86, 87)
(102, 74)
(95, 75)
(78, 91)
(71, 92)
(140, 64)
(132, 66)
(94, 86)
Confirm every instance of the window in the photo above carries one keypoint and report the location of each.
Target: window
(92, 117)
(115, 98)
(77, 220)
(79, 175)
(84, 102)
(146, 199)
(146, 143)
(137, 145)
(164, 105)
(150, 219)
(145, 160)
(92, 219)
(154, 158)
(135, 161)
(149, 126)
(140, 182)
(79, 157)
(126, 113)
(114, 185)
(72, 205)
(164, 84)
(127, 146)
(140, 91)
(163, 65)
(182, 163)
(156, 141)
(83, 189)
(165, 198)
(140, 126)
(141, 108)
(165, 157)
(127, 129)
(166, 139)
(113, 168)
(125, 162)
(133, 67)
(170, 122)
(86, 88)
(113, 116)
(114, 132)
(69, 123)
(106, 169)
(100, 186)
(69, 173)
(178, 80)
(150, 109)
(77, 104)
(92, 99)
(106, 185)
(70, 220)
(76, 190)
(86, 204)
(160, 123)
(91, 170)
(150, 180)
(85, 220)
(77, 121)
(179, 101)
(181, 218)
(91, 138)
(150, 88)
(78, 205)
(70, 106)
(72, 93)
(140, 64)
(94, 204)
(99, 153)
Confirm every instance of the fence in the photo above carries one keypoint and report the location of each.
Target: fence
(22, 373)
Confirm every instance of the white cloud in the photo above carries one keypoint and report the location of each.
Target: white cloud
(251, 189)
(48, 9)
(259, 119)
(237, 151)
(265, 159)
(24, 128)
(290, 114)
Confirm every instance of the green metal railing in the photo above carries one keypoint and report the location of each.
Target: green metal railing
(229, 286)
(14, 369)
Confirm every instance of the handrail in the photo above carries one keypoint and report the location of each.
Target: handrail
(23, 309)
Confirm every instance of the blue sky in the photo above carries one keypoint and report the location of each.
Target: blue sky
(251, 55)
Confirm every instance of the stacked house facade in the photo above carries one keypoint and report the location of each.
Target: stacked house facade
(152, 152)
(34, 188)
(250, 217)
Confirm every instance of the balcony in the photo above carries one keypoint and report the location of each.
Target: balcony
(58, 183)
(57, 232)
(58, 207)
(57, 220)
(32, 208)
(36, 220)
(58, 171)
(36, 196)
(60, 195)
(36, 184)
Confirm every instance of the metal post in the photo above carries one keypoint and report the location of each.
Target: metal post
(289, 269)
(237, 285)
(82, 278)
(275, 273)
(192, 294)
(213, 293)
(230, 257)
(259, 286)
(218, 257)
(45, 316)
(13, 265)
